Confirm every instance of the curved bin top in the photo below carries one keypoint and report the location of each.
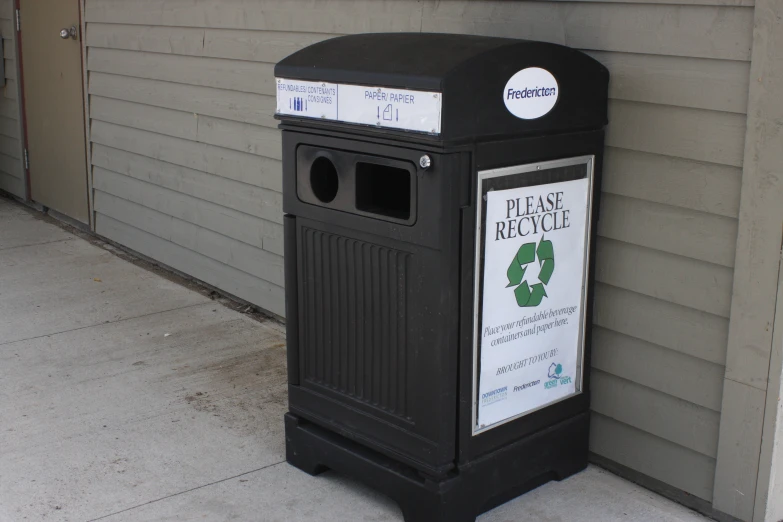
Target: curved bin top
(472, 75)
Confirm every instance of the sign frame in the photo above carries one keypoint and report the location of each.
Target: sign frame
(589, 161)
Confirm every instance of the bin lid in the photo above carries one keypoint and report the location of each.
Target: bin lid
(449, 86)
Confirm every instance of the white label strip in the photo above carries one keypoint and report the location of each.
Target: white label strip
(307, 99)
(377, 106)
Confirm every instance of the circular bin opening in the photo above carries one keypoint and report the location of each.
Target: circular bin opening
(323, 179)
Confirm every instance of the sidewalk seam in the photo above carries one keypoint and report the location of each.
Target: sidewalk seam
(105, 323)
(186, 491)
(39, 244)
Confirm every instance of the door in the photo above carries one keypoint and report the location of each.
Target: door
(54, 105)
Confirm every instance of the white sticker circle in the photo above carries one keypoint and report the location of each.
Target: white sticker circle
(531, 93)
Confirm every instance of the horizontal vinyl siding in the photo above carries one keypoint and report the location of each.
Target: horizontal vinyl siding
(185, 145)
(11, 171)
(655, 456)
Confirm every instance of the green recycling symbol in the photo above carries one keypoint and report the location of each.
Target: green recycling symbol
(531, 295)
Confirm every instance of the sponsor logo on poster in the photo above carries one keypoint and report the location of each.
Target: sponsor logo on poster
(523, 387)
(494, 396)
(556, 377)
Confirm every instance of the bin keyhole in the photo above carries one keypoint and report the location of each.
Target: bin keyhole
(323, 179)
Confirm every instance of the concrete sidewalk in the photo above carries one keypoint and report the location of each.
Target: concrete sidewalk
(127, 394)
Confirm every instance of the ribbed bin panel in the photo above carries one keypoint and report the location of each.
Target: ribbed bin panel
(353, 317)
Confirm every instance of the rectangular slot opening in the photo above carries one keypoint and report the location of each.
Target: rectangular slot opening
(383, 190)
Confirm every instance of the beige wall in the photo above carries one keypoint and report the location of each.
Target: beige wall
(11, 173)
(749, 481)
(186, 169)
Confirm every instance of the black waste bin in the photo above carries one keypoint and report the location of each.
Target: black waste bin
(441, 199)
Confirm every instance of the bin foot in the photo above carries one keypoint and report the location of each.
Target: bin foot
(299, 455)
(552, 454)
(438, 506)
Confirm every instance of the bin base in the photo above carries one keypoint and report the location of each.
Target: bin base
(554, 453)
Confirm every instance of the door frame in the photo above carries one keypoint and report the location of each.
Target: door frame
(85, 105)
